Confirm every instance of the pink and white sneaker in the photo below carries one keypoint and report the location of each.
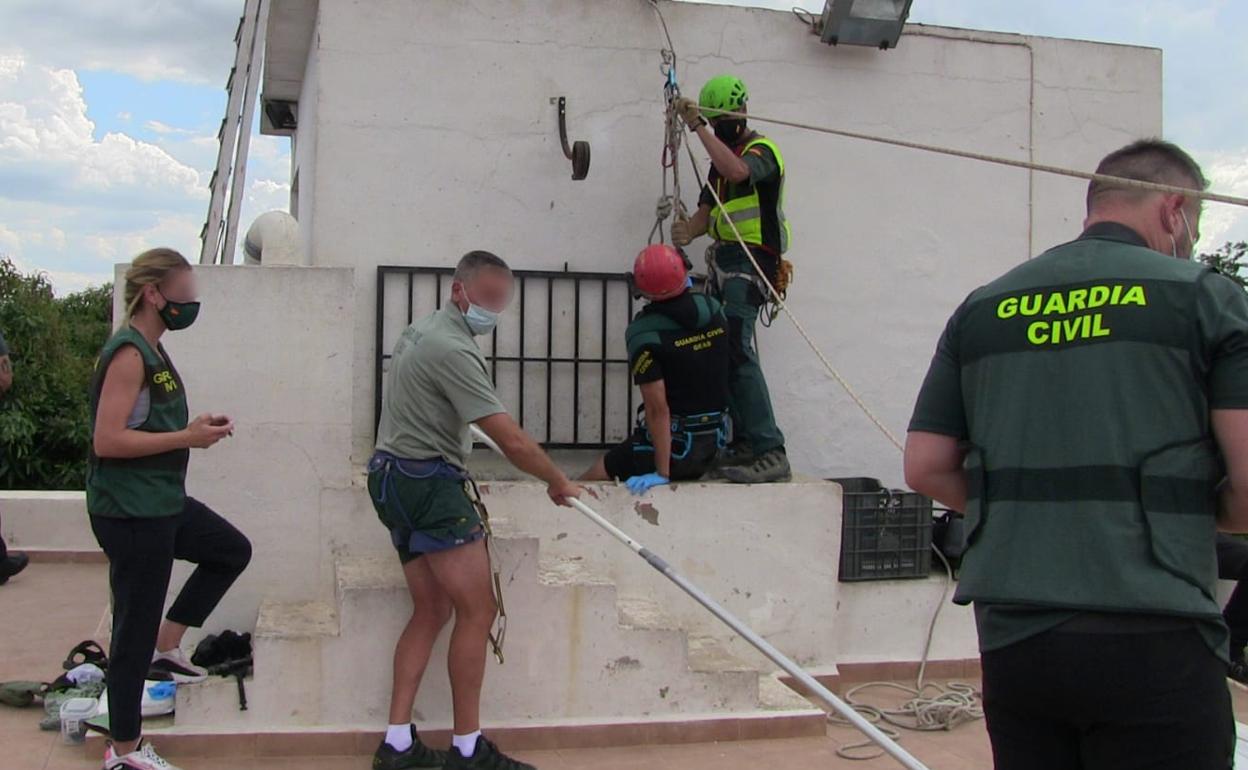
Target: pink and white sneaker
(175, 665)
(142, 758)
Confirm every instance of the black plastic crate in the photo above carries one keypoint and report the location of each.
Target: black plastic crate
(886, 534)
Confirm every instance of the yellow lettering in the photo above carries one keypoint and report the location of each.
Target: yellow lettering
(1071, 328)
(1008, 308)
(1097, 329)
(1056, 305)
(1038, 333)
(1097, 296)
(1032, 309)
(1077, 301)
(1135, 296)
(1116, 297)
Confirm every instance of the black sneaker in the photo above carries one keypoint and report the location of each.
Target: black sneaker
(388, 757)
(768, 467)
(486, 757)
(15, 563)
(1238, 670)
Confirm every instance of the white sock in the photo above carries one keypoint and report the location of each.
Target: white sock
(399, 737)
(467, 744)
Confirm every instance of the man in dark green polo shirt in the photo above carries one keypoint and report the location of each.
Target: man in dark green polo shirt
(1084, 410)
(748, 176)
(419, 484)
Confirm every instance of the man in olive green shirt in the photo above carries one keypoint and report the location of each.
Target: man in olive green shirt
(419, 484)
(1082, 410)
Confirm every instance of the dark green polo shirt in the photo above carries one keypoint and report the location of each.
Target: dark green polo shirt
(1066, 375)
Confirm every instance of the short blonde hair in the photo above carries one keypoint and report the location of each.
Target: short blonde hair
(149, 268)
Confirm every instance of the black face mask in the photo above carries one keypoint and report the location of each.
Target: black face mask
(730, 131)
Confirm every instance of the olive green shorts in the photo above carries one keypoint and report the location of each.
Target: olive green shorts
(424, 515)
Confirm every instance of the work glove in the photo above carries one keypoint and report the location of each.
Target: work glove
(690, 113)
(639, 485)
(682, 232)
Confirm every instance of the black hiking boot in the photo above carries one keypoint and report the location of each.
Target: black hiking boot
(388, 757)
(15, 563)
(768, 467)
(486, 757)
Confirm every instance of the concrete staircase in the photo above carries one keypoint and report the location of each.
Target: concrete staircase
(575, 651)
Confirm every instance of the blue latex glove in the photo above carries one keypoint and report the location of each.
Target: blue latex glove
(639, 485)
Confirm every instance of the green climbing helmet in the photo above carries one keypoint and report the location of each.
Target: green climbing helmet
(725, 92)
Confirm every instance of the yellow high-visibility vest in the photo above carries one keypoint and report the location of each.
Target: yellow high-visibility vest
(746, 211)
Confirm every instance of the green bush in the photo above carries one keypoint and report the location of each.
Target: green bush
(53, 343)
(1229, 260)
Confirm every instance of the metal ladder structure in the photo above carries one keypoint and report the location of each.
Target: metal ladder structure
(220, 231)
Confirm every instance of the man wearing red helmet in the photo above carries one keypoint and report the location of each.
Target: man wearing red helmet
(678, 350)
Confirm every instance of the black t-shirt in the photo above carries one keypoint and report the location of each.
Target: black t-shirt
(684, 342)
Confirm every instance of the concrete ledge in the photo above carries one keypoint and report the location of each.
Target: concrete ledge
(538, 736)
(54, 556)
(46, 521)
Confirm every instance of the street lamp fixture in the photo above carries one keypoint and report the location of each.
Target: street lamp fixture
(876, 23)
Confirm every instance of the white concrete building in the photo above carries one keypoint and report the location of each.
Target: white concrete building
(426, 129)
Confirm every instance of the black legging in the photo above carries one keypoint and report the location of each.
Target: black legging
(1233, 565)
(141, 553)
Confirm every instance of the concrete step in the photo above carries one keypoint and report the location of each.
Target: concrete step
(574, 650)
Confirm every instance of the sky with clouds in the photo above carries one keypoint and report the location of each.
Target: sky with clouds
(109, 111)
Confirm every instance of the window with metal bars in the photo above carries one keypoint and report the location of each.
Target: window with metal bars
(558, 357)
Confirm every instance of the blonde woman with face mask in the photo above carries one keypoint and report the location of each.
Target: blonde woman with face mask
(140, 512)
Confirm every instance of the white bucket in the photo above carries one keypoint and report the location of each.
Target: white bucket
(74, 715)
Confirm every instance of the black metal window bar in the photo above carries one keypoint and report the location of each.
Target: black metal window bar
(558, 357)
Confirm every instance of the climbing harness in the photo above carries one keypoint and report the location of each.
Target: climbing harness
(389, 464)
(498, 635)
(716, 277)
(686, 430)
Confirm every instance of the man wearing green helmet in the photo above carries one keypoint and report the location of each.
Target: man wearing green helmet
(748, 177)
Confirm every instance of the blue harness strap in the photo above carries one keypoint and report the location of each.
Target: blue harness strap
(684, 429)
(388, 464)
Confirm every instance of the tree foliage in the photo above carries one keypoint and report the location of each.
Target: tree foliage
(53, 343)
(1229, 261)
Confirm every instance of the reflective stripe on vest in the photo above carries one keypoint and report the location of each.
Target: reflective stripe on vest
(746, 211)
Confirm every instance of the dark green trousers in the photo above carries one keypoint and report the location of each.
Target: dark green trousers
(749, 403)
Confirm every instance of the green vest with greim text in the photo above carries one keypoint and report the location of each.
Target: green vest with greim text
(1093, 472)
(141, 487)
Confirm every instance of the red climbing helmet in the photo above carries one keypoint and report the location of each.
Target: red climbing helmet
(659, 272)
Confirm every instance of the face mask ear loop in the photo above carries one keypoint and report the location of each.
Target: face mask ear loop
(1191, 237)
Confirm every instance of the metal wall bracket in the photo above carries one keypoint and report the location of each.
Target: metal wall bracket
(578, 153)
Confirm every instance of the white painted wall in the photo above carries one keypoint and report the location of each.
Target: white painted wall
(304, 147)
(435, 135)
(271, 348)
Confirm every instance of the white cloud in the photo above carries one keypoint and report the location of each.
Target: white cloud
(165, 128)
(1221, 222)
(189, 40)
(73, 203)
(48, 148)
